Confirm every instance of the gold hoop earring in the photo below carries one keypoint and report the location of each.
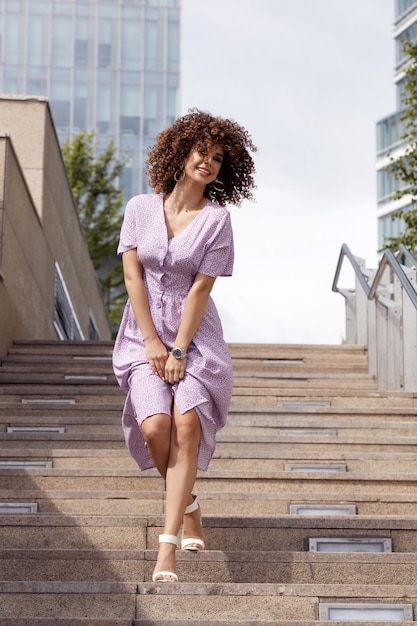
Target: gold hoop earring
(220, 185)
(179, 174)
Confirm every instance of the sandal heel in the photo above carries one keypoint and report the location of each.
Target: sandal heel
(192, 544)
(166, 577)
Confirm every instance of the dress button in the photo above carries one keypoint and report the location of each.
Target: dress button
(158, 305)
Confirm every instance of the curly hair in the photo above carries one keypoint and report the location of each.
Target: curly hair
(201, 130)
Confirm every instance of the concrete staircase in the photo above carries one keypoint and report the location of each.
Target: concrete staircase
(307, 428)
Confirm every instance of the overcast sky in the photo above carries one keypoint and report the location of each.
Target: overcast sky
(308, 79)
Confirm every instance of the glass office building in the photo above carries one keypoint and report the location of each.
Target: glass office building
(106, 65)
(391, 128)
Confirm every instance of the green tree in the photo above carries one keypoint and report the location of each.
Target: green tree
(94, 181)
(404, 168)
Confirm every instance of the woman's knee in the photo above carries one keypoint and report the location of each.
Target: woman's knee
(187, 430)
(156, 429)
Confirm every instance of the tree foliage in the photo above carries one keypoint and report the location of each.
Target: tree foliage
(404, 168)
(94, 181)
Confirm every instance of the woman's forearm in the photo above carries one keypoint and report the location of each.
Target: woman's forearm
(132, 270)
(140, 306)
(194, 308)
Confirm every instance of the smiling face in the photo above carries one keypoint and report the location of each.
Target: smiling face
(204, 167)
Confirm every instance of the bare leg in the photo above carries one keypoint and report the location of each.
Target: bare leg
(180, 478)
(156, 430)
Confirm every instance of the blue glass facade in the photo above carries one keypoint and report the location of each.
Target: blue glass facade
(390, 130)
(402, 7)
(107, 65)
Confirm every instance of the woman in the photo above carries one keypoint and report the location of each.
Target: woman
(170, 356)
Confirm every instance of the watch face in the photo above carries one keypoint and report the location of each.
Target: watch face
(177, 353)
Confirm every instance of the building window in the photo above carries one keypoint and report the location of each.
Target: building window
(410, 34)
(173, 57)
(131, 45)
(65, 320)
(93, 333)
(401, 6)
(12, 39)
(62, 41)
(388, 227)
(152, 45)
(389, 132)
(36, 86)
(81, 52)
(37, 38)
(387, 185)
(104, 55)
(80, 114)
(61, 114)
(129, 109)
(129, 124)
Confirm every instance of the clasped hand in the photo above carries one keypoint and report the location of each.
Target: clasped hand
(163, 364)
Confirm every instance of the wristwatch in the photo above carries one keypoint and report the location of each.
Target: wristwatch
(178, 354)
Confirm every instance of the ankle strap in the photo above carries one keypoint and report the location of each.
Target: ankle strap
(192, 507)
(168, 539)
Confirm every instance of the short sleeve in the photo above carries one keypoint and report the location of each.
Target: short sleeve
(128, 239)
(219, 254)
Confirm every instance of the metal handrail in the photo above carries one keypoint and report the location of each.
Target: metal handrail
(407, 254)
(388, 258)
(345, 251)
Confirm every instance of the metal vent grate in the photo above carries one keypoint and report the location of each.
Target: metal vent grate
(36, 429)
(48, 401)
(84, 377)
(315, 467)
(366, 612)
(92, 358)
(25, 464)
(350, 544)
(322, 509)
(304, 405)
(19, 507)
(307, 432)
(284, 361)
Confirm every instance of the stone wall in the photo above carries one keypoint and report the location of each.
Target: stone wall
(40, 231)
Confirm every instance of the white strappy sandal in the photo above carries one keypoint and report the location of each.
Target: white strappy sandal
(192, 543)
(166, 577)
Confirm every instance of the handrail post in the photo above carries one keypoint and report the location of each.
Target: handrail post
(409, 329)
(383, 315)
(372, 339)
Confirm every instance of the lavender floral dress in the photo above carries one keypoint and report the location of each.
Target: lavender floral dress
(169, 268)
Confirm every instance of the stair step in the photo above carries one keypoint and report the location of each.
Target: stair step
(186, 601)
(64, 458)
(210, 566)
(257, 445)
(282, 428)
(68, 600)
(129, 503)
(119, 503)
(58, 621)
(84, 557)
(137, 532)
(243, 622)
(45, 621)
(237, 482)
(202, 601)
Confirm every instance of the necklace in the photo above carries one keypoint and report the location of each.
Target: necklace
(194, 209)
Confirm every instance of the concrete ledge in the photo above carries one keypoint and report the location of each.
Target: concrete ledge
(52, 621)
